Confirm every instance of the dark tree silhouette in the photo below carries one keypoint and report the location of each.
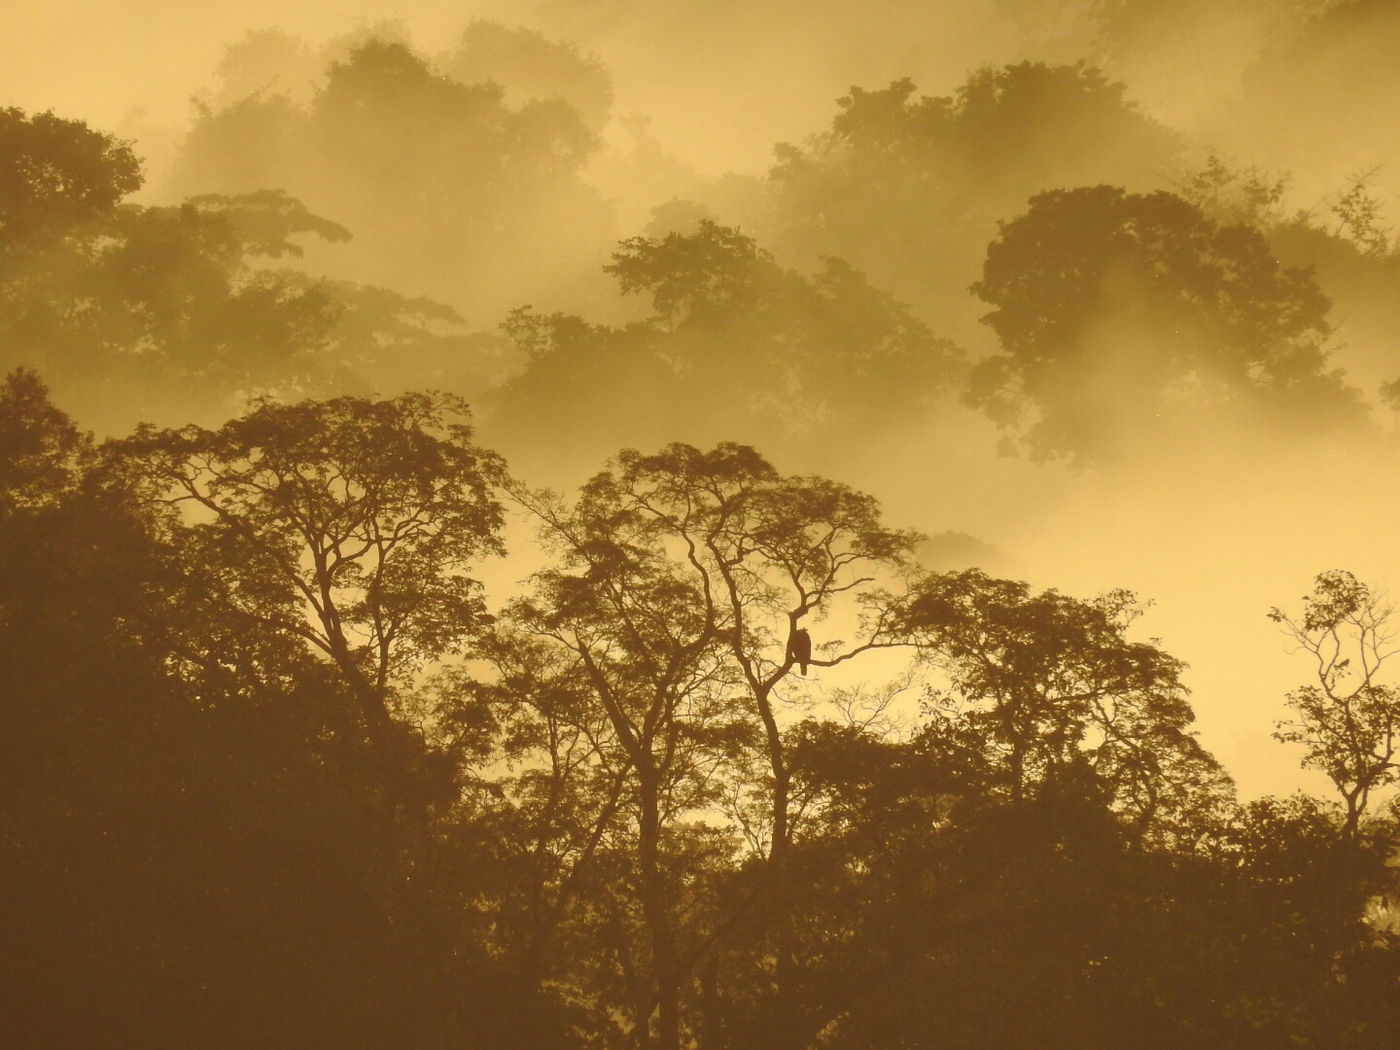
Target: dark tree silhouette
(647, 646)
(195, 853)
(1347, 722)
(351, 523)
(1047, 686)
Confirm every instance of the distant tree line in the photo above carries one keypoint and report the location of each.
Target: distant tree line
(1121, 323)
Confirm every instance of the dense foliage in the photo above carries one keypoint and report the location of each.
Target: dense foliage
(251, 794)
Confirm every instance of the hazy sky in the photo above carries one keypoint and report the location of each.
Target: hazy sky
(721, 89)
(721, 80)
(102, 60)
(1213, 550)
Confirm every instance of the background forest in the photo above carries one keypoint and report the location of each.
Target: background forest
(571, 528)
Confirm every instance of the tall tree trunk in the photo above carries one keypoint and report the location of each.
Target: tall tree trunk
(665, 964)
(782, 781)
(711, 1011)
(783, 1027)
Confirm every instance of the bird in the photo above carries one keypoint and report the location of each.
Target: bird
(800, 649)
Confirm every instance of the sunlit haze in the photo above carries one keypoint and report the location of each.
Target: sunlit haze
(1098, 295)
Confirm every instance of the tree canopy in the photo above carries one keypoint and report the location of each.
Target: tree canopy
(615, 812)
(56, 174)
(735, 344)
(909, 187)
(170, 306)
(442, 180)
(1119, 314)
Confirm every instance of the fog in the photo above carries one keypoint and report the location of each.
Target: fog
(1215, 490)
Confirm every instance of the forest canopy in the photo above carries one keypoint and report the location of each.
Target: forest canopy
(482, 570)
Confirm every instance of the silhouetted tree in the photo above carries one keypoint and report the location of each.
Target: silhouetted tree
(195, 852)
(41, 451)
(711, 557)
(1347, 246)
(351, 524)
(647, 646)
(1315, 944)
(1347, 722)
(1051, 686)
(119, 304)
(548, 850)
(769, 554)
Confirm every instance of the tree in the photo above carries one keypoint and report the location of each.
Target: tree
(176, 306)
(715, 556)
(1348, 721)
(530, 66)
(41, 451)
(909, 187)
(56, 174)
(1314, 898)
(770, 554)
(736, 344)
(1053, 688)
(646, 643)
(195, 850)
(1348, 248)
(447, 185)
(350, 523)
(560, 799)
(798, 348)
(1122, 314)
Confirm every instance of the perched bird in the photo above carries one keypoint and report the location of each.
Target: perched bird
(800, 649)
